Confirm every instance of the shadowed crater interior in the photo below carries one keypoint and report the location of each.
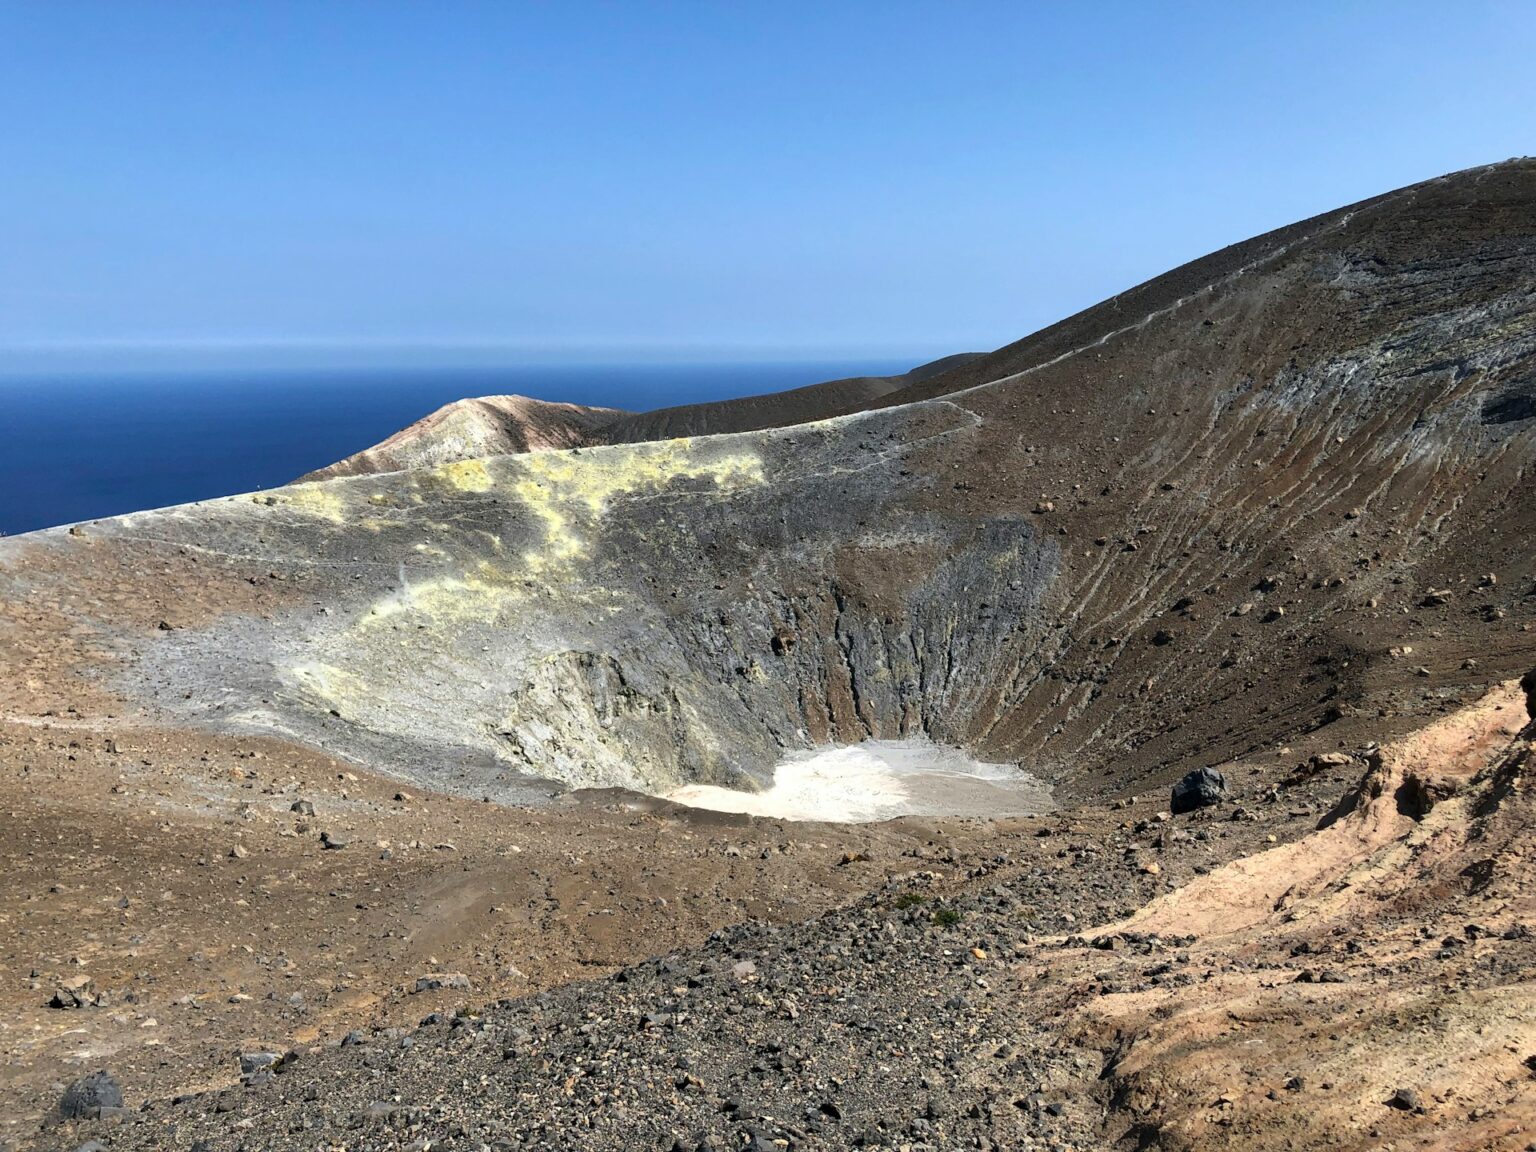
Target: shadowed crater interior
(1518, 403)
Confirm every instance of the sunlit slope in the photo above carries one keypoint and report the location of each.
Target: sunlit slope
(1293, 492)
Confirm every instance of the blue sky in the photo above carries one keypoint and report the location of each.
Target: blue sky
(466, 182)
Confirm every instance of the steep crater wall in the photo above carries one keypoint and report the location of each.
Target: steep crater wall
(642, 617)
(1285, 488)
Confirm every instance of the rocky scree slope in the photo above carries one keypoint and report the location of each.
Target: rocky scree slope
(1284, 487)
(1372, 981)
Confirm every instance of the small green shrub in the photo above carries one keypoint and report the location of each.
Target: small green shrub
(910, 900)
(945, 917)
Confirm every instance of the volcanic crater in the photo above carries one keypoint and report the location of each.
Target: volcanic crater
(1279, 496)
(1040, 555)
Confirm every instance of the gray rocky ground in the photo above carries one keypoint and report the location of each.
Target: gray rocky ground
(1001, 1000)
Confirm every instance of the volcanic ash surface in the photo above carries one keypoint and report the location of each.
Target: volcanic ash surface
(879, 780)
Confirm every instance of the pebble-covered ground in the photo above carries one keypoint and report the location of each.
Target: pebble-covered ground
(941, 1011)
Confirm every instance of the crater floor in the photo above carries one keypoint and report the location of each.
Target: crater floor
(879, 780)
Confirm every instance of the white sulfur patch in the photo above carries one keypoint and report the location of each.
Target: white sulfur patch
(877, 780)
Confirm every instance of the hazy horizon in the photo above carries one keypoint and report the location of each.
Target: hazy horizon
(155, 359)
(405, 185)
(87, 445)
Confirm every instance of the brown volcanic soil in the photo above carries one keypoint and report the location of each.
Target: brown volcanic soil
(117, 846)
(481, 426)
(754, 413)
(1351, 950)
(1275, 503)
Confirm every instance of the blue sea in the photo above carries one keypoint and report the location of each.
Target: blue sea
(80, 447)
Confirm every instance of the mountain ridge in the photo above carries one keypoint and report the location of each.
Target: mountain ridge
(473, 427)
(1203, 398)
(1269, 513)
(1039, 351)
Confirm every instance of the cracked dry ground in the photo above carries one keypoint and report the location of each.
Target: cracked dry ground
(1342, 956)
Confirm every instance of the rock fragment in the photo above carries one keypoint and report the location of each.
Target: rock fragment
(1199, 789)
(440, 980)
(76, 992)
(256, 1061)
(89, 1096)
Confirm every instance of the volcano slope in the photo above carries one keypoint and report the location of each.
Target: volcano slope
(1371, 982)
(1296, 479)
(480, 426)
(496, 425)
(1279, 495)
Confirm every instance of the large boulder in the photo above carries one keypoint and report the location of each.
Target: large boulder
(1200, 789)
(88, 1096)
(78, 992)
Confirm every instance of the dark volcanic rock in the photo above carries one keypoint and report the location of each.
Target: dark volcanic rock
(89, 1095)
(1518, 403)
(1199, 789)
